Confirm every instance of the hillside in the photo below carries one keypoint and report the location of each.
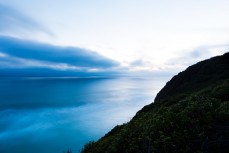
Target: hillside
(190, 114)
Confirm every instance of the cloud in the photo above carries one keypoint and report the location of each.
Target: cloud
(33, 58)
(138, 62)
(46, 72)
(14, 22)
(197, 54)
(178, 62)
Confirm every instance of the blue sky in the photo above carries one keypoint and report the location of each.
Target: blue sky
(123, 36)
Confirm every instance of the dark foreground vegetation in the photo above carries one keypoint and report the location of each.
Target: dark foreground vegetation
(190, 114)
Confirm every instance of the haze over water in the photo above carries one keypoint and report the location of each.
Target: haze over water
(52, 115)
(50, 38)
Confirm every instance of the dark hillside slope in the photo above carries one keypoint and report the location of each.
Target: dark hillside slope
(195, 78)
(190, 114)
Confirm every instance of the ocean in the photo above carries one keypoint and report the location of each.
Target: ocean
(53, 115)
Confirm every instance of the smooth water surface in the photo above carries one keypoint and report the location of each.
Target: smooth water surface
(52, 115)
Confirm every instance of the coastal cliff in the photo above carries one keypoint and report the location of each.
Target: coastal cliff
(189, 114)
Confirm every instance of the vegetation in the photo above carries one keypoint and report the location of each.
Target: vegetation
(190, 114)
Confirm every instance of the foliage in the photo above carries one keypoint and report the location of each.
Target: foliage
(187, 126)
(190, 114)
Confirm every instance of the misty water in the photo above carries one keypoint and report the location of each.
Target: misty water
(52, 115)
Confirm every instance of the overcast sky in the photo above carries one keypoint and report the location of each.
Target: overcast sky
(115, 35)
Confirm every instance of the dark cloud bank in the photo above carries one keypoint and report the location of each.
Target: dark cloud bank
(28, 58)
(19, 57)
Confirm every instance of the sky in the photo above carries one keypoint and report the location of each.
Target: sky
(94, 38)
(116, 37)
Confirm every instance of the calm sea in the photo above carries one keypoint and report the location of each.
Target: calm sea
(52, 115)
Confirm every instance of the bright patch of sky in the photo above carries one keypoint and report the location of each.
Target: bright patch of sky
(141, 35)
